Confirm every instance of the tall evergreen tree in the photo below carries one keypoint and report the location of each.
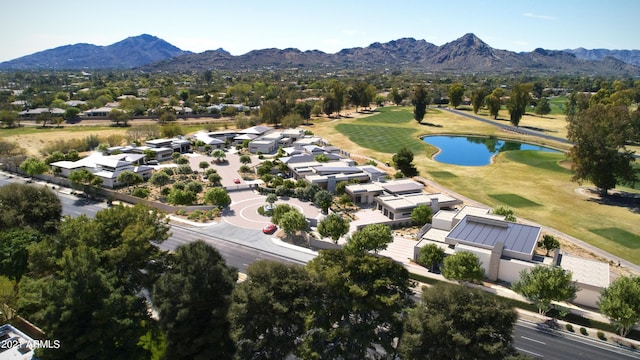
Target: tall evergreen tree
(193, 297)
(519, 99)
(420, 101)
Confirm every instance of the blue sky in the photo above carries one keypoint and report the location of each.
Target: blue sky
(240, 26)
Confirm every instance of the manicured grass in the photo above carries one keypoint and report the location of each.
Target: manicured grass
(513, 200)
(443, 174)
(381, 138)
(539, 159)
(619, 236)
(389, 115)
(558, 105)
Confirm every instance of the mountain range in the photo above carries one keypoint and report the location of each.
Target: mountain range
(129, 53)
(467, 54)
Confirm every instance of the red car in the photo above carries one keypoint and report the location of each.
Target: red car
(269, 229)
(236, 181)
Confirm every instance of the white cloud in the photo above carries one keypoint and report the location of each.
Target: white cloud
(541, 17)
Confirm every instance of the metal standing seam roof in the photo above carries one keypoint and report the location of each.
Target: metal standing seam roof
(487, 233)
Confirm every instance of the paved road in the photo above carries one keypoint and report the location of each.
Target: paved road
(539, 342)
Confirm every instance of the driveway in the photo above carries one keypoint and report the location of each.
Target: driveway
(228, 169)
(243, 211)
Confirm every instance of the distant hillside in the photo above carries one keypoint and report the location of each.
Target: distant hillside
(628, 56)
(467, 54)
(129, 53)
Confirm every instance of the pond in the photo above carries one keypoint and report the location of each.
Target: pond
(474, 151)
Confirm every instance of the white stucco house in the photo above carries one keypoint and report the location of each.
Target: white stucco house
(506, 248)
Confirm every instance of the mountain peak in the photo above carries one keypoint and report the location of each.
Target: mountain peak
(131, 52)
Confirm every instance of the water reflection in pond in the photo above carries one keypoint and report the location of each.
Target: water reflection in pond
(474, 151)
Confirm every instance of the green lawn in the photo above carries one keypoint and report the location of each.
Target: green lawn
(388, 115)
(513, 200)
(558, 104)
(619, 236)
(381, 138)
(539, 159)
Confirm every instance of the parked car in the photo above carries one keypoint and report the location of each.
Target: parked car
(236, 181)
(269, 229)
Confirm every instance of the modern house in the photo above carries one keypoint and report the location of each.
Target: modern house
(506, 248)
(107, 167)
(162, 148)
(32, 113)
(98, 112)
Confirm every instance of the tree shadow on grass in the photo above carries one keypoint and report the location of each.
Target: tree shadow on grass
(624, 199)
(534, 128)
(430, 124)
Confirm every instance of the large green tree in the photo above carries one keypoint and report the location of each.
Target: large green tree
(323, 200)
(32, 166)
(269, 310)
(373, 237)
(292, 222)
(420, 100)
(26, 205)
(421, 214)
(542, 107)
(14, 251)
(619, 302)
(333, 226)
(519, 99)
(493, 103)
(85, 180)
(455, 93)
(271, 112)
(478, 96)
(403, 161)
(543, 284)
(431, 255)
(217, 196)
(463, 266)
(599, 134)
(360, 309)
(193, 297)
(82, 306)
(456, 322)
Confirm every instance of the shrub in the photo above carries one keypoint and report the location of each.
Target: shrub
(184, 170)
(601, 336)
(165, 191)
(179, 185)
(168, 171)
(141, 192)
(569, 327)
(181, 197)
(583, 331)
(181, 212)
(194, 186)
(182, 160)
